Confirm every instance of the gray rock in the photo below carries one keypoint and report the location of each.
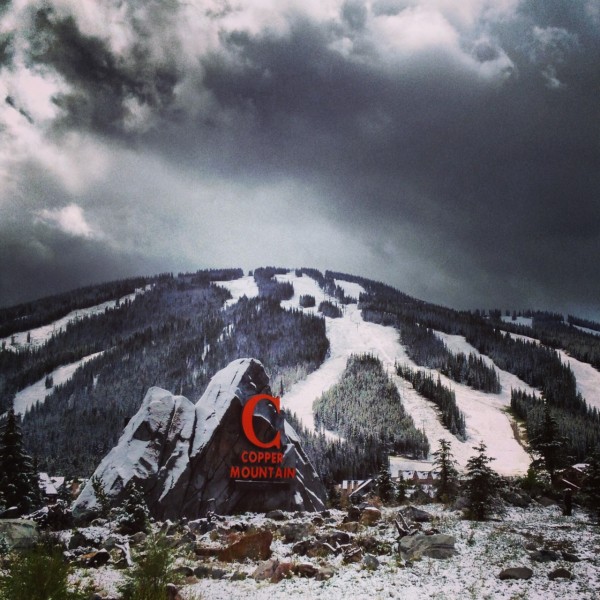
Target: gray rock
(544, 555)
(276, 515)
(560, 573)
(265, 570)
(516, 498)
(569, 557)
(138, 538)
(370, 562)
(461, 503)
(20, 534)
(516, 573)
(185, 453)
(438, 545)
(370, 515)
(294, 531)
(416, 515)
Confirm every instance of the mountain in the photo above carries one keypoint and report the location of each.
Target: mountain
(392, 374)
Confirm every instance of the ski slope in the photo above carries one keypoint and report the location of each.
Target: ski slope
(40, 335)
(245, 286)
(486, 418)
(37, 392)
(588, 378)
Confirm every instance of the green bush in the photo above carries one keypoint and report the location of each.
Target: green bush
(41, 574)
(152, 572)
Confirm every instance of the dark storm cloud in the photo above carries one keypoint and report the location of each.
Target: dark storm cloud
(100, 82)
(459, 149)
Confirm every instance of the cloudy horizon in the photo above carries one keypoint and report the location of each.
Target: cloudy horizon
(449, 149)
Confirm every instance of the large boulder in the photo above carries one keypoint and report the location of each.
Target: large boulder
(434, 546)
(181, 455)
(20, 534)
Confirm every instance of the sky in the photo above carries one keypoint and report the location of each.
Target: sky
(451, 149)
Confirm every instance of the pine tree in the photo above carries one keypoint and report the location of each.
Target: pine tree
(549, 442)
(444, 466)
(591, 486)
(134, 515)
(385, 487)
(400, 491)
(19, 484)
(481, 485)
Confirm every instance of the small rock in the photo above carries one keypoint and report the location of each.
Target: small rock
(173, 592)
(352, 555)
(318, 521)
(370, 562)
(434, 546)
(283, 571)
(255, 546)
(370, 515)
(569, 557)
(137, 538)
(184, 570)
(544, 555)
(516, 573)
(336, 538)
(351, 526)
(239, 576)
(265, 570)
(301, 548)
(461, 503)
(294, 531)
(305, 570)
(94, 560)
(560, 573)
(325, 573)
(319, 549)
(353, 514)
(416, 515)
(206, 572)
(531, 546)
(325, 513)
(276, 515)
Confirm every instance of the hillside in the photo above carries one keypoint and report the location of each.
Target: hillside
(77, 366)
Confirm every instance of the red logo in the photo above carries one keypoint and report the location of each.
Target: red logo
(248, 426)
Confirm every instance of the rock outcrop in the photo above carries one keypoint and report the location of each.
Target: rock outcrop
(181, 454)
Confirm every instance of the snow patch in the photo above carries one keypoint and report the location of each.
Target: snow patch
(40, 335)
(244, 286)
(37, 392)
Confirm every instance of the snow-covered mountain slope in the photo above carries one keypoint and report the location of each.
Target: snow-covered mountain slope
(245, 286)
(588, 378)
(37, 392)
(40, 335)
(486, 418)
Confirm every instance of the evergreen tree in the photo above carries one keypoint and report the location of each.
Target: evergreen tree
(19, 484)
(444, 466)
(134, 515)
(400, 490)
(591, 486)
(385, 487)
(101, 497)
(481, 485)
(549, 443)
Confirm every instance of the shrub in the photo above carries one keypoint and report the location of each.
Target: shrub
(152, 572)
(41, 574)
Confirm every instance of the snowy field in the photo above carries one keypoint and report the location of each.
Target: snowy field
(40, 335)
(525, 321)
(37, 392)
(484, 550)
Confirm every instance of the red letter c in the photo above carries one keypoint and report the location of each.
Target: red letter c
(248, 426)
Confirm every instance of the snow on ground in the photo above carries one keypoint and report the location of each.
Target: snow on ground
(37, 392)
(587, 330)
(486, 419)
(352, 290)
(588, 378)
(484, 549)
(245, 286)
(525, 321)
(40, 335)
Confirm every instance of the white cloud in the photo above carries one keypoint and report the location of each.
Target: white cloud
(69, 219)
